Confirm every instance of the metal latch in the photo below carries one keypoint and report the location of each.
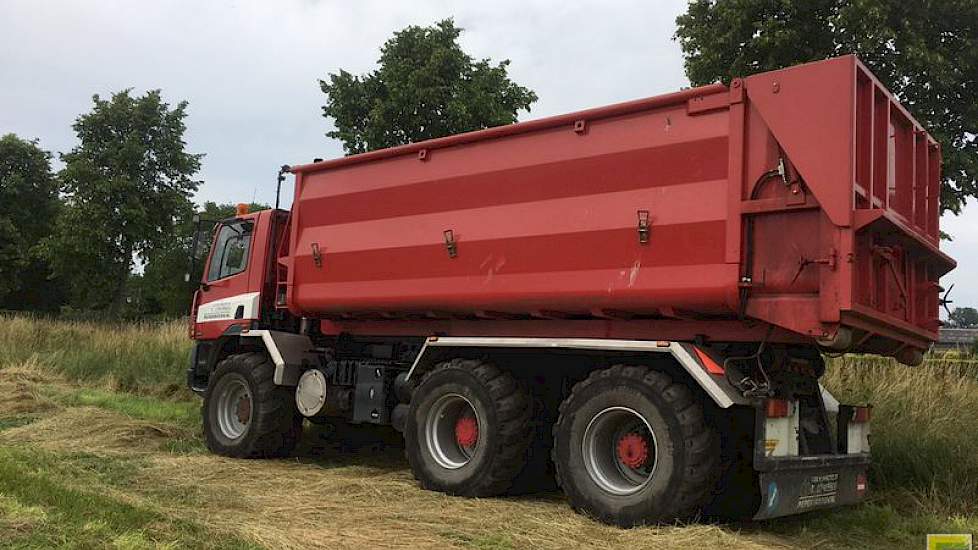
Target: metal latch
(643, 226)
(317, 257)
(830, 261)
(450, 244)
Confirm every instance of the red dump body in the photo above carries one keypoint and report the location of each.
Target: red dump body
(662, 218)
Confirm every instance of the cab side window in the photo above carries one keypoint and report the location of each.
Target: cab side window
(231, 250)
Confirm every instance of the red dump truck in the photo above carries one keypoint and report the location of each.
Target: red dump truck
(633, 300)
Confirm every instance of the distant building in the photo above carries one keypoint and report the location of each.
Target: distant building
(956, 338)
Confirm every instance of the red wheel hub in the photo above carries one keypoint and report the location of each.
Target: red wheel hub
(466, 431)
(244, 410)
(632, 449)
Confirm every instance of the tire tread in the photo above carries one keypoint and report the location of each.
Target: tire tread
(699, 441)
(513, 414)
(275, 421)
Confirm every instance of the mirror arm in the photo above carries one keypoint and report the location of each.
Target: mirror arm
(278, 185)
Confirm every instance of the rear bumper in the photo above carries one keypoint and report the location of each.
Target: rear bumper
(802, 484)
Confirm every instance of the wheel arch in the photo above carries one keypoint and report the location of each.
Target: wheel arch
(289, 352)
(206, 354)
(536, 357)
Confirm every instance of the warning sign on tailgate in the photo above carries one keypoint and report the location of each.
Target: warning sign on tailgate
(818, 490)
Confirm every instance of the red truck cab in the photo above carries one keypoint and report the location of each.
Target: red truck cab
(237, 289)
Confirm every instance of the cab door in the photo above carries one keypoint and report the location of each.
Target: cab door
(227, 296)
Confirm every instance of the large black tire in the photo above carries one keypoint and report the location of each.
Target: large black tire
(502, 411)
(268, 424)
(674, 475)
(537, 475)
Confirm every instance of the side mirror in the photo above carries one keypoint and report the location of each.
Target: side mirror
(186, 277)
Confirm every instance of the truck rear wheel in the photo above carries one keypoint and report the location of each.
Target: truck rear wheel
(631, 447)
(468, 429)
(245, 414)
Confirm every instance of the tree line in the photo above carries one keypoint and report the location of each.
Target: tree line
(112, 230)
(72, 238)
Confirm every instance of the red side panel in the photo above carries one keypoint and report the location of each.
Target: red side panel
(545, 223)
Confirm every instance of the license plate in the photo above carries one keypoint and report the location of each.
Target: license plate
(818, 490)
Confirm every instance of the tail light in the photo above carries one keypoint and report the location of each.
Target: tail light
(861, 415)
(853, 428)
(781, 424)
(777, 408)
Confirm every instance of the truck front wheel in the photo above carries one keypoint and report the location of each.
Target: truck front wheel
(245, 414)
(468, 429)
(631, 447)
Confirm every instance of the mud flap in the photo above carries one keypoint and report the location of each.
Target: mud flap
(197, 372)
(795, 487)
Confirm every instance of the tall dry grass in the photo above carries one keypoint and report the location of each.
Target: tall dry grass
(924, 426)
(144, 358)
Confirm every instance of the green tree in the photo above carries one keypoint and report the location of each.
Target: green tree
(926, 52)
(125, 185)
(161, 289)
(425, 87)
(28, 204)
(963, 317)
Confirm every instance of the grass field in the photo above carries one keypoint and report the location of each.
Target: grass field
(100, 447)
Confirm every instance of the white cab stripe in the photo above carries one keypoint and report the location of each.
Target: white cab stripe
(225, 308)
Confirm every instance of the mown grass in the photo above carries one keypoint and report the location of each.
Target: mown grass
(110, 428)
(185, 414)
(58, 500)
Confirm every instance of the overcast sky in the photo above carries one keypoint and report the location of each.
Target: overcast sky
(250, 71)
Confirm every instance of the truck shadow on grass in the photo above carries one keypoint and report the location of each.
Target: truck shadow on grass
(381, 448)
(340, 443)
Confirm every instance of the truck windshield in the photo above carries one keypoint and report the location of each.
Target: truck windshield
(230, 250)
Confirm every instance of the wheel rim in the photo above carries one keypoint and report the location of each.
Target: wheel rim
(453, 431)
(620, 451)
(234, 408)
